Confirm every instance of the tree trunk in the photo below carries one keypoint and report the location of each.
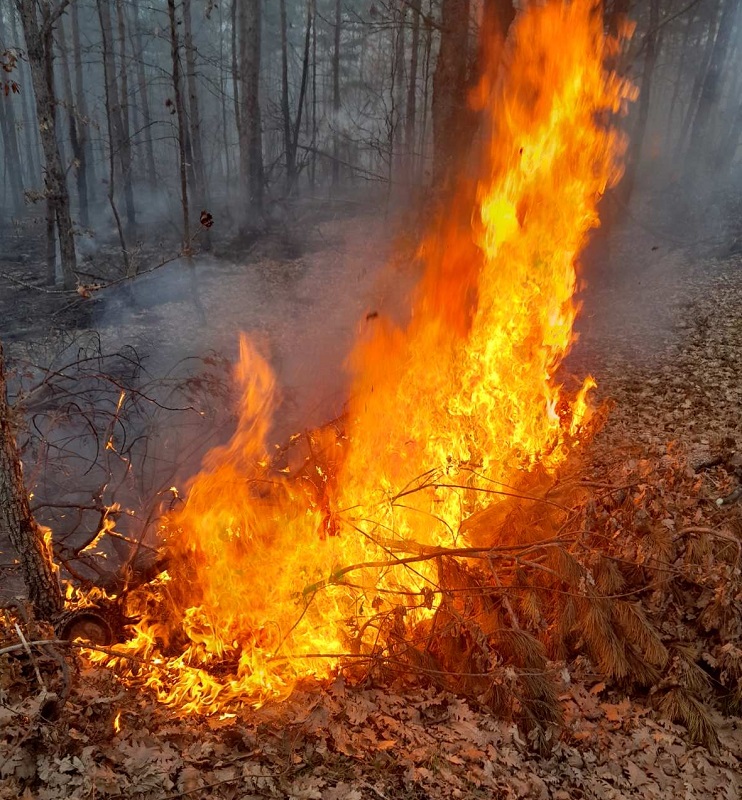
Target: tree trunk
(87, 163)
(396, 162)
(125, 143)
(695, 93)
(78, 152)
(449, 89)
(710, 90)
(236, 23)
(303, 85)
(115, 132)
(175, 57)
(224, 163)
(313, 166)
(199, 165)
(39, 35)
(288, 139)
(30, 128)
(18, 524)
(251, 136)
(138, 48)
(680, 77)
(11, 150)
(409, 132)
(642, 117)
(119, 143)
(456, 73)
(336, 97)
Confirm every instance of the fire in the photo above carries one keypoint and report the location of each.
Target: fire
(274, 576)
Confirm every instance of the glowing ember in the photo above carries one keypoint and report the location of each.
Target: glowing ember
(273, 577)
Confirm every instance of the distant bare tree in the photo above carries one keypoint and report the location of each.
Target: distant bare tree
(39, 20)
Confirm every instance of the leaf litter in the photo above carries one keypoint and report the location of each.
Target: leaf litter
(407, 737)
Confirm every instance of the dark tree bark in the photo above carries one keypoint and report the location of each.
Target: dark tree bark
(76, 143)
(454, 124)
(449, 88)
(138, 48)
(19, 525)
(651, 47)
(336, 95)
(288, 139)
(410, 118)
(304, 82)
(396, 132)
(120, 143)
(251, 135)
(175, 59)
(87, 162)
(313, 165)
(11, 150)
(199, 166)
(115, 130)
(236, 22)
(30, 128)
(38, 29)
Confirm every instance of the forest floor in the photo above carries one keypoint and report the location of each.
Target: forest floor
(662, 333)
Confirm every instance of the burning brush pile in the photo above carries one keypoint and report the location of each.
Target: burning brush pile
(436, 532)
(400, 537)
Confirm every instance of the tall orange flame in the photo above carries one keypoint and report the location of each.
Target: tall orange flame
(272, 577)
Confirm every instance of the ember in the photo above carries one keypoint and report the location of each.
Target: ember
(275, 576)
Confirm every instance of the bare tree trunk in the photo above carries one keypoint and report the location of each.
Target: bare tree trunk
(642, 117)
(199, 167)
(409, 133)
(396, 165)
(120, 144)
(125, 144)
(11, 150)
(115, 131)
(679, 79)
(236, 71)
(710, 90)
(138, 49)
(449, 88)
(51, 242)
(251, 136)
(78, 152)
(695, 93)
(288, 139)
(87, 163)
(19, 525)
(30, 129)
(39, 35)
(336, 96)
(427, 52)
(303, 84)
(313, 167)
(174, 46)
(224, 164)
